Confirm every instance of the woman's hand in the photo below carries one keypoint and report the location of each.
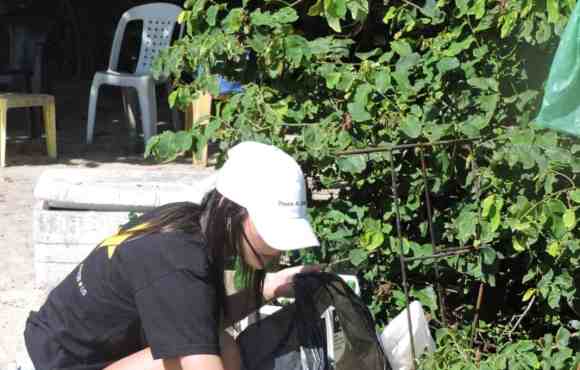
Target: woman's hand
(279, 284)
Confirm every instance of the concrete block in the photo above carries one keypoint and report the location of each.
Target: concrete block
(109, 190)
(52, 226)
(77, 209)
(63, 238)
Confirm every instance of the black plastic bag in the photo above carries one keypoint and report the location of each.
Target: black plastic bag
(294, 337)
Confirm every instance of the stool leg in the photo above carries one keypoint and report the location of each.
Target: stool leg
(199, 109)
(3, 133)
(50, 128)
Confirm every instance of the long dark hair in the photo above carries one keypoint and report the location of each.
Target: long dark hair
(222, 223)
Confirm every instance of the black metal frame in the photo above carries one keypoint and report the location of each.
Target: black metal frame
(437, 254)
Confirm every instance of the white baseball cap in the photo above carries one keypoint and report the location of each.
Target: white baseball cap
(270, 185)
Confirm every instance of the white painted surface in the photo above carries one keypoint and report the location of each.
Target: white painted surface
(75, 227)
(108, 190)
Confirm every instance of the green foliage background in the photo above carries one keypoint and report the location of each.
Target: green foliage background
(321, 77)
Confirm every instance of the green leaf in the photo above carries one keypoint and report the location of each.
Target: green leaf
(569, 219)
(183, 141)
(257, 18)
(488, 202)
(518, 245)
(401, 76)
(165, 148)
(554, 297)
(529, 358)
(335, 8)
(508, 25)
(556, 206)
(352, 163)
(529, 294)
(196, 6)
(489, 255)
(151, 146)
(457, 47)
(430, 9)
(553, 11)
(172, 97)
(233, 21)
(316, 9)
(285, 15)
(297, 49)
(359, 9)
(334, 23)
(362, 94)
(382, 80)
(369, 54)
(554, 249)
(563, 337)
(211, 15)
(575, 195)
(346, 82)
(390, 14)
(447, 64)
(357, 256)
(427, 297)
(183, 16)
(343, 140)
(483, 83)
(479, 9)
(466, 224)
(371, 240)
(408, 61)
(496, 217)
(312, 137)
(411, 127)
(358, 112)
(401, 47)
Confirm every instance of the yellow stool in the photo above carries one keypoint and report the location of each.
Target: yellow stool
(11, 100)
(197, 110)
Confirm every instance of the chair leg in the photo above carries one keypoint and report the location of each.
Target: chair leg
(94, 97)
(50, 128)
(3, 134)
(175, 119)
(148, 107)
(128, 94)
(31, 117)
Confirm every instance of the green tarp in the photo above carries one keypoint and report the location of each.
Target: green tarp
(561, 105)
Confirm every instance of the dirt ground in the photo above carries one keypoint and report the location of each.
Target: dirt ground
(26, 160)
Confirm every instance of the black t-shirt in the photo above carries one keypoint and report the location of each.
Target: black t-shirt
(155, 290)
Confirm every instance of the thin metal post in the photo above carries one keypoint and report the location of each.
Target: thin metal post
(475, 326)
(447, 253)
(391, 148)
(438, 285)
(401, 257)
(479, 301)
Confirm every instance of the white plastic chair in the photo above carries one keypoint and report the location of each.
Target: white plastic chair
(159, 21)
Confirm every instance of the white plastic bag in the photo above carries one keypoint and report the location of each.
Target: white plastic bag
(396, 342)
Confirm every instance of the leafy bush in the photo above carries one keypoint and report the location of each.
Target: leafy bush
(328, 76)
(549, 352)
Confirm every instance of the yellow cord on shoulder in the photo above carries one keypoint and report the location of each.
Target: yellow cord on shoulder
(114, 241)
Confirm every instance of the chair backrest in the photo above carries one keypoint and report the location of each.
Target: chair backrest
(25, 34)
(159, 21)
